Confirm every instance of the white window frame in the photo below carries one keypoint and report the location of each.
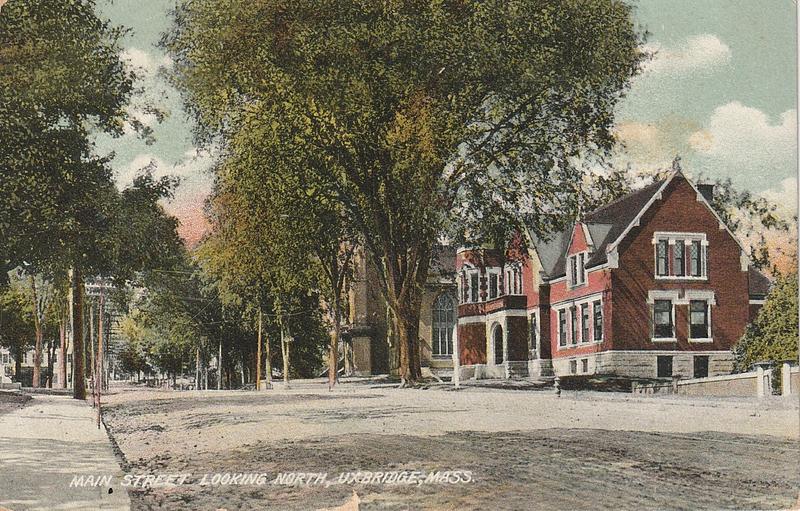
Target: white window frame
(466, 291)
(512, 281)
(687, 237)
(703, 296)
(438, 326)
(489, 272)
(672, 296)
(578, 304)
(581, 274)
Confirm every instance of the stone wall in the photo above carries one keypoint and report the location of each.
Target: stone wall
(642, 364)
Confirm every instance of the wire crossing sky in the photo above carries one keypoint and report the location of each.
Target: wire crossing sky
(720, 91)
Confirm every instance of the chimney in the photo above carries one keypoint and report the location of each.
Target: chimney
(707, 191)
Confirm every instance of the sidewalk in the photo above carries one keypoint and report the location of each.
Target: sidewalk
(45, 444)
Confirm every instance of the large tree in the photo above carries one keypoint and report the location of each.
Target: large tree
(773, 334)
(61, 79)
(414, 113)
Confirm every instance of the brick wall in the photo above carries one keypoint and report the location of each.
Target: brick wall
(472, 343)
(678, 211)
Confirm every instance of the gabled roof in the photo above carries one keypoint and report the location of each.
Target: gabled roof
(605, 225)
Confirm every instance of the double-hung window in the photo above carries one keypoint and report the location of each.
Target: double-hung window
(680, 255)
(574, 332)
(662, 258)
(562, 327)
(679, 258)
(699, 324)
(663, 327)
(577, 269)
(474, 286)
(696, 259)
(494, 290)
(598, 320)
(585, 323)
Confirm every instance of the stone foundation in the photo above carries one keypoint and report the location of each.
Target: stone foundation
(641, 364)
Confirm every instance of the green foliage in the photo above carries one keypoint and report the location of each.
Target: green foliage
(16, 320)
(415, 118)
(60, 78)
(773, 334)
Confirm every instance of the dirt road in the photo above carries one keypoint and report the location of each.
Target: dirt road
(522, 450)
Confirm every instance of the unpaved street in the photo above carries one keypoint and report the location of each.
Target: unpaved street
(524, 450)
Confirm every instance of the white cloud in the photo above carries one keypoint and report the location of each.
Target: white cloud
(743, 142)
(192, 170)
(700, 52)
(144, 63)
(784, 195)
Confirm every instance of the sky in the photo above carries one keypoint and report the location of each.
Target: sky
(720, 91)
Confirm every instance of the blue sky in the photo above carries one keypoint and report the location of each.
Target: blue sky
(721, 92)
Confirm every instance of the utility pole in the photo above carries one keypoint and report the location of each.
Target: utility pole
(92, 361)
(197, 369)
(99, 368)
(219, 367)
(258, 353)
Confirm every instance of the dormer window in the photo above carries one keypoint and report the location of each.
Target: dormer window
(681, 255)
(577, 269)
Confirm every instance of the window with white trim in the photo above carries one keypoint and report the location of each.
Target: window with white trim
(597, 307)
(699, 320)
(562, 327)
(574, 332)
(444, 321)
(681, 255)
(663, 326)
(533, 333)
(577, 269)
(493, 276)
(470, 285)
(512, 284)
(585, 323)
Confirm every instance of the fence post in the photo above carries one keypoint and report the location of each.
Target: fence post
(786, 379)
(760, 381)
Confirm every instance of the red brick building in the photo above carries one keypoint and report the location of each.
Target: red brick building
(652, 285)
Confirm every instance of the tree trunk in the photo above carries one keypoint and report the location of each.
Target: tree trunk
(37, 323)
(333, 363)
(268, 366)
(219, 367)
(285, 353)
(62, 353)
(18, 364)
(258, 353)
(408, 344)
(98, 382)
(79, 384)
(51, 353)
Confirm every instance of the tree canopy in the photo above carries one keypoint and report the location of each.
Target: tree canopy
(412, 113)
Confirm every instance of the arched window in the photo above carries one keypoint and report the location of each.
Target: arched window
(444, 320)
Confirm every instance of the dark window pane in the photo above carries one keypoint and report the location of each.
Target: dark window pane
(574, 332)
(585, 322)
(664, 364)
(662, 319)
(700, 366)
(662, 264)
(598, 321)
(698, 319)
(679, 258)
(694, 259)
(562, 328)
